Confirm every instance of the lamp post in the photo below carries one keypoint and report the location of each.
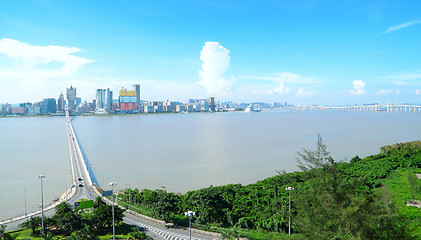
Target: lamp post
(190, 213)
(42, 205)
(289, 189)
(113, 184)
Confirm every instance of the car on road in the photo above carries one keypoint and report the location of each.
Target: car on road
(81, 185)
(80, 179)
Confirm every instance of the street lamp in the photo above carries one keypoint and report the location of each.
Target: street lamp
(113, 184)
(190, 213)
(289, 189)
(42, 205)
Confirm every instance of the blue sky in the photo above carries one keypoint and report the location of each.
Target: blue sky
(302, 52)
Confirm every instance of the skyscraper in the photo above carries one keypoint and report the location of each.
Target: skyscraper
(48, 105)
(61, 103)
(127, 100)
(136, 88)
(104, 99)
(71, 98)
(212, 104)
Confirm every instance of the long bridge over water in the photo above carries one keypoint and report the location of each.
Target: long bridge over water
(371, 107)
(85, 186)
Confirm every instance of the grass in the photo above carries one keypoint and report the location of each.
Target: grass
(397, 184)
(121, 233)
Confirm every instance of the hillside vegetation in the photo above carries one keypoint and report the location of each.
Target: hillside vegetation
(363, 199)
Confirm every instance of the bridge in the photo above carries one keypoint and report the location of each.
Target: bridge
(85, 186)
(372, 108)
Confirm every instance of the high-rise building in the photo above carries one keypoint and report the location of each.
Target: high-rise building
(212, 104)
(48, 105)
(136, 88)
(78, 101)
(71, 98)
(128, 101)
(104, 100)
(61, 103)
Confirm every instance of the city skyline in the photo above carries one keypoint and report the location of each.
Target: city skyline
(311, 52)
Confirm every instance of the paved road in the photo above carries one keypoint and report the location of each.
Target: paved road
(157, 231)
(82, 188)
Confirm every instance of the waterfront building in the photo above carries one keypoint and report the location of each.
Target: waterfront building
(136, 88)
(115, 106)
(204, 106)
(159, 109)
(169, 106)
(48, 105)
(34, 110)
(190, 108)
(61, 103)
(104, 100)
(212, 105)
(148, 109)
(71, 98)
(127, 100)
(6, 109)
(78, 101)
(180, 108)
(18, 110)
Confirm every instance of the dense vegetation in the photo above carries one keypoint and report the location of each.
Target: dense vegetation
(88, 225)
(331, 200)
(363, 199)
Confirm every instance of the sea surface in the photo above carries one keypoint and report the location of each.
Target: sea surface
(182, 152)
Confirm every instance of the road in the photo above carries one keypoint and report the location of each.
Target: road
(83, 188)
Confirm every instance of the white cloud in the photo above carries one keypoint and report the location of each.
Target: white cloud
(285, 77)
(384, 92)
(31, 72)
(302, 93)
(418, 92)
(404, 25)
(216, 62)
(405, 79)
(281, 90)
(359, 87)
(31, 55)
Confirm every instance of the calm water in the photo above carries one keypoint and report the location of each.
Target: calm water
(183, 152)
(30, 147)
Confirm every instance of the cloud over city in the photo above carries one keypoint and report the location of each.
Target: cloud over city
(33, 55)
(302, 93)
(216, 61)
(32, 69)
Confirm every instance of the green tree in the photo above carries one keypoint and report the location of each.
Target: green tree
(63, 208)
(104, 215)
(165, 204)
(329, 207)
(32, 223)
(8, 236)
(2, 231)
(138, 235)
(87, 233)
(412, 178)
(75, 236)
(48, 236)
(98, 202)
(66, 219)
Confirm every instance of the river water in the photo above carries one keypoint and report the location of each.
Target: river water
(182, 152)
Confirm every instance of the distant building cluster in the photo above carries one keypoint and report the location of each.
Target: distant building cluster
(129, 101)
